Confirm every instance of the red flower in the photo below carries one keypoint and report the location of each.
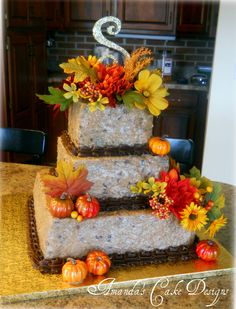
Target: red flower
(112, 81)
(180, 191)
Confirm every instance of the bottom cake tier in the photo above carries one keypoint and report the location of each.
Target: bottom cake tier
(115, 232)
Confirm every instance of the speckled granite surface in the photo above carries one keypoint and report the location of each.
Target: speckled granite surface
(144, 297)
(174, 85)
(17, 180)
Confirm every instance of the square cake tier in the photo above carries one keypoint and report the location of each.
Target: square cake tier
(112, 127)
(113, 232)
(112, 176)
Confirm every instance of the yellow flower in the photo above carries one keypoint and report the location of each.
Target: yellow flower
(216, 225)
(150, 86)
(99, 104)
(93, 61)
(72, 92)
(193, 217)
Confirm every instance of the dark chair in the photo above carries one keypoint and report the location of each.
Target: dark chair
(182, 151)
(24, 141)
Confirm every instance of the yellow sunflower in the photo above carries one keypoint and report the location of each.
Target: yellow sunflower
(193, 217)
(150, 86)
(216, 225)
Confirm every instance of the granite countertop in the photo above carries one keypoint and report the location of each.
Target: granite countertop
(175, 85)
(18, 179)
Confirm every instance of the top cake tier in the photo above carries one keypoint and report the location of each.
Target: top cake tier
(112, 127)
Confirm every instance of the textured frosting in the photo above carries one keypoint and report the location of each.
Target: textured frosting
(112, 176)
(111, 127)
(113, 232)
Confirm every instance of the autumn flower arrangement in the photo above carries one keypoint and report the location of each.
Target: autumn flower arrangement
(98, 85)
(196, 201)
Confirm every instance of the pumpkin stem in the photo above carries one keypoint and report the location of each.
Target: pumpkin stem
(73, 261)
(210, 242)
(64, 196)
(89, 198)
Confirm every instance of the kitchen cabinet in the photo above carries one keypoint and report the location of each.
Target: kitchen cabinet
(54, 14)
(82, 14)
(184, 118)
(27, 75)
(147, 17)
(25, 13)
(197, 18)
(139, 17)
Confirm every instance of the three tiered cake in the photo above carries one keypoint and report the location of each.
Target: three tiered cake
(105, 155)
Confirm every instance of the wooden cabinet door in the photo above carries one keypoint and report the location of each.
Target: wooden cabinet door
(26, 77)
(185, 118)
(193, 17)
(25, 13)
(147, 17)
(82, 14)
(17, 12)
(38, 80)
(54, 14)
(19, 81)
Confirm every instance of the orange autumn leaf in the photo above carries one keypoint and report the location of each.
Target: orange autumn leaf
(70, 181)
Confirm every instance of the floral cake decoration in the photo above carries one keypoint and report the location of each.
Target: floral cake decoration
(100, 85)
(194, 200)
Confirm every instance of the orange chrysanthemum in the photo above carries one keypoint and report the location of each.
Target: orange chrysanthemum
(112, 82)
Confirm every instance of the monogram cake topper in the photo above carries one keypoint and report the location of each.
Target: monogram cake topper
(112, 29)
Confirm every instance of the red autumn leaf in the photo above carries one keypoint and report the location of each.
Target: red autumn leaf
(70, 181)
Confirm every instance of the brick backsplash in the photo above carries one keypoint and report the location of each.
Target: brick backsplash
(187, 54)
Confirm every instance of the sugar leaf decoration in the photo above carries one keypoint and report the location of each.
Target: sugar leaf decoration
(80, 67)
(56, 96)
(67, 180)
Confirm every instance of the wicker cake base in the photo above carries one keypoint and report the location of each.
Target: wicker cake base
(54, 266)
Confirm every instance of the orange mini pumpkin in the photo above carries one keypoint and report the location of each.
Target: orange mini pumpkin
(207, 250)
(74, 271)
(61, 207)
(98, 262)
(87, 206)
(159, 146)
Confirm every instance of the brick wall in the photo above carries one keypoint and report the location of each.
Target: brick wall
(187, 54)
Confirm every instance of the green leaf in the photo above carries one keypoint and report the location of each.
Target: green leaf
(205, 182)
(56, 96)
(131, 97)
(220, 202)
(216, 192)
(195, 173)
(119, 98)
(214, 213)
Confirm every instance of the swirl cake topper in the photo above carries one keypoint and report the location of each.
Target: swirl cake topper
(111, 30)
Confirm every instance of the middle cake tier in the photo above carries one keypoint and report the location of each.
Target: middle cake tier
(113, 175)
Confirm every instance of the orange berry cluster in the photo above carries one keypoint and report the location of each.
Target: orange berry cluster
(161, 205)
(89, 91)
